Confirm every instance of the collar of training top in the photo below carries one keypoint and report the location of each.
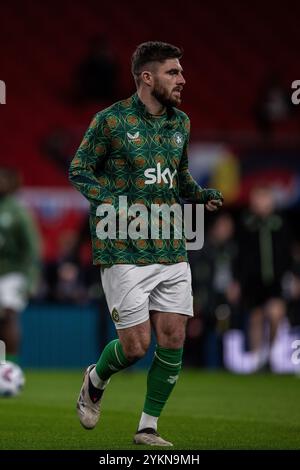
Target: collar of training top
(141, 108)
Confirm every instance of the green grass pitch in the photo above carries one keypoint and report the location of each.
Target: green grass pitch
(208, 410)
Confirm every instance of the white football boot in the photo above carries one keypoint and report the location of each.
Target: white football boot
(88, 407)
(150, 437)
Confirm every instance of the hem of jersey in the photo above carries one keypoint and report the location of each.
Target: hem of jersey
(105, 265)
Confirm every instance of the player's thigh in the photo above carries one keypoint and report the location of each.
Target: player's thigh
(126, 295)
(174, 291)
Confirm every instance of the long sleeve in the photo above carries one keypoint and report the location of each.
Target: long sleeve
(91, 153)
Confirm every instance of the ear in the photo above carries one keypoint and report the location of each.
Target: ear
(147, 77)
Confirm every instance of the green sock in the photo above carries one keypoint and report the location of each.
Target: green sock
(111, 360)
(162, 378)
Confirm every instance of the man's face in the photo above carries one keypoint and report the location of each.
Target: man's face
(168, 83)
(262, 201)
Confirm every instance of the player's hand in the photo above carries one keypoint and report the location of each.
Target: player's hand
(212, 198)
(213, 205)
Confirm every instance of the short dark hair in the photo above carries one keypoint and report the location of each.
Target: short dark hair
(153, 51)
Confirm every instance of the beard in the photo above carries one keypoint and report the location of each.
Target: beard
(164, 97)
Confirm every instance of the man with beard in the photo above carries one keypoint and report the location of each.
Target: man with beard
(138, 148)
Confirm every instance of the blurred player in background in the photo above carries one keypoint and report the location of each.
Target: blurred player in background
(264, 257)
(19, 261)
(138, 148)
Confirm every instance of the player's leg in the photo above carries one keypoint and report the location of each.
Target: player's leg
(127, 300)
(117, 355)
(163, 374)
(10, 333)
(132, 345)
(170, 329)
(12, 301)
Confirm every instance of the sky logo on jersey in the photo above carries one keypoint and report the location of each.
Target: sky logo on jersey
(155, 175)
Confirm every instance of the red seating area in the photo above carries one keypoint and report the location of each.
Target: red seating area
(229, 49)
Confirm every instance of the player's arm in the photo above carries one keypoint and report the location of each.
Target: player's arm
(91, 152)
(190, 190)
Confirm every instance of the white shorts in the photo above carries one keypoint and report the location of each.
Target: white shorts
(12, 292)
(131, 291)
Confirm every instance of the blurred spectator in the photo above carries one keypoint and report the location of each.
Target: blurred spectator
(273, 105)
(96, 77)
(216, 294)
(263, 260)
(69, 287)
(59, 144)
(71, 278)
(292, 287)
(19, 261)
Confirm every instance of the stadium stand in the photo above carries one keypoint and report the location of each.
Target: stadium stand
(223, 76)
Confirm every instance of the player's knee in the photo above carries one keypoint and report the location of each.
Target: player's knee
(173, 341)
(172, 338)
(133, 355)
(136, 351)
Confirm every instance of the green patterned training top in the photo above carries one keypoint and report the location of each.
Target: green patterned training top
(128, 152)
